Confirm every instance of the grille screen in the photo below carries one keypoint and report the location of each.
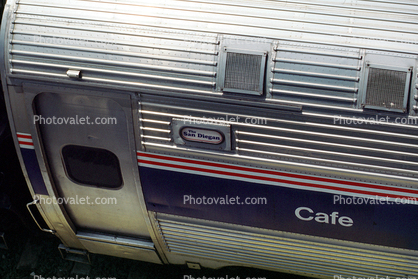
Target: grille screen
(242, 71)
(386, 88)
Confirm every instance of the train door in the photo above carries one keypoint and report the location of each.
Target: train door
(90, 149)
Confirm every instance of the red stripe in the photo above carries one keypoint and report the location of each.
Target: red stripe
(273, 180)
(26, 143)
(320, 179)
(24, 136)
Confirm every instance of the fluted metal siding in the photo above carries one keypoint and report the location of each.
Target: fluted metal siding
(350, 19)
(290, 252)
(173, 45)
(304, 139)
(307, 74)
(48, 40)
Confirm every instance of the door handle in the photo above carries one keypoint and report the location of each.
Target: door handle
(33, 217)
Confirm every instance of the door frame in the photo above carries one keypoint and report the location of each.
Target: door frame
(56, 215)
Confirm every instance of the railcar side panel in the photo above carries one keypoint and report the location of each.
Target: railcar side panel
(308, 106)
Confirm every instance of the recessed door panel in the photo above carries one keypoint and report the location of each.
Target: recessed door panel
(90, 150)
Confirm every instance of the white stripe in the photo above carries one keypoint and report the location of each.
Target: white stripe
(25, 140)
(255, 173)
(335, 192)
(26, 146)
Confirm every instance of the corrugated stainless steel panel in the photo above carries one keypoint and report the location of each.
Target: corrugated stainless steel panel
(369, 17)
(173, 45)
(306, 138)
(47, 46)
(310, 95)
(290, 252)
(361, 21)
(310, 75)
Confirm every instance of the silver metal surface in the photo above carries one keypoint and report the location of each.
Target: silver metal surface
(116, 63)
(89, 69)
(315, 74)
(330, 97)
(314, 63)
(348, 54)
(150, 64)
(313, 85)
(121, 212)
(74, 73)
(187, 50)
(293, 138)
(247, 246)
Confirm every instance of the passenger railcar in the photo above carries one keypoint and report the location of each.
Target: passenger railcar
(270, 134)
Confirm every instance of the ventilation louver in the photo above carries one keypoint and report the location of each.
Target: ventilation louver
(387, 89)
(244, 73)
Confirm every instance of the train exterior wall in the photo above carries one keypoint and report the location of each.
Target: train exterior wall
(309, 105)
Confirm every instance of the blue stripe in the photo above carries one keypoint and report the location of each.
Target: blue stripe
(34, 172)
(387, 225)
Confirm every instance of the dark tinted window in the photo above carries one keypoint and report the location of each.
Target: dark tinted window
(92, 166)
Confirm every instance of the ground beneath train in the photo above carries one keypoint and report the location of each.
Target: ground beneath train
(34, 255)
